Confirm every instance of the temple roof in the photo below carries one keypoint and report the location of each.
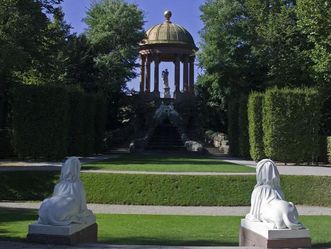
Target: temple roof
(169, 33)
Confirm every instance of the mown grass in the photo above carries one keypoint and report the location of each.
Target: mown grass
(162, 230)
(174, 190)
(169, 163)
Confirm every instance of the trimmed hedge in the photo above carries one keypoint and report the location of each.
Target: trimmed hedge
(164, 189)
(6, 148)
(40, 121)
(238, 126)
(291, 124)
(243, 127)
(329, 149)
(233, 126)
(255, 120)
(2, 109)
(89, 123)
(53, 122)
(100, 123)
(76, 122)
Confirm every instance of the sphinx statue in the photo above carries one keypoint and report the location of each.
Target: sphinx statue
(267, 201)
(68, 204)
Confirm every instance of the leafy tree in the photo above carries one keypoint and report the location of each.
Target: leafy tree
(48, 66)
(31, 45)
(314, 21)
(279, 43)
(80, 68)
(227, 43)
(115, 29)
(252, 45)
(21, 26)
(227, 55)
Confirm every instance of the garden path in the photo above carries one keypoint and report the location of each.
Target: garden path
(171, 210)
(7, 165)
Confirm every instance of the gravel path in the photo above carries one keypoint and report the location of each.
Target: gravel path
(170, 210)
(55, 166)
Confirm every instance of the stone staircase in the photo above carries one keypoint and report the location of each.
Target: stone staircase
(165, 138)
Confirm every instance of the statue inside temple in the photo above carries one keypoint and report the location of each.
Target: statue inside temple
(165, 76)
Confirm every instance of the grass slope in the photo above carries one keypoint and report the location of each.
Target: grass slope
(165, 189)
(162, 230)
(169, 163)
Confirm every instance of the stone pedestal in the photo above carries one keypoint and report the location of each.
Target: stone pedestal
(63, 235)
(257, 234)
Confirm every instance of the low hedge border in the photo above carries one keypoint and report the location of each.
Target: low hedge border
(170, 190)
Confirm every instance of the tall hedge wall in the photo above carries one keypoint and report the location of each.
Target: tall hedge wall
(2, 110)
(291, 124)
(89, 123)
(255, 127)
(40, 121)
(76, 134)
(238, 126)
(233, 126)
(53, 122)
(6, 148)
(243, 127)
(100, 122)
(329, 149)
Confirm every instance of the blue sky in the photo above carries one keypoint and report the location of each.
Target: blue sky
(184, 12)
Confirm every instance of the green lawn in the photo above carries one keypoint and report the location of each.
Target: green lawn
(171, 163)
(162, 230)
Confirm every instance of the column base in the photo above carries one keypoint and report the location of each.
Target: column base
(257, 234)
(63, 235)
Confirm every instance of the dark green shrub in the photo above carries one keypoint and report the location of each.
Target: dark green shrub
(238, 126)
(6, 148)
(255, 118)
(40, 121)
(291, 124)
(100, 123)
(243, 140)
(323, 149)
(76, 122)
(233, 126)
(2, 110)
(89, 123)
(329, 148)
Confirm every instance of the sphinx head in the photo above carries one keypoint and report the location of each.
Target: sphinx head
(70, 169)
(267, 174)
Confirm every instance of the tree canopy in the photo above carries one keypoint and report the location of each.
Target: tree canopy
(256, 44)
(115, 29)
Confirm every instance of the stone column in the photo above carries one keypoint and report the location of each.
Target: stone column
(177, 76)
(156, 77)
(191, 76)
(142, 73)
(185, 75)
(148, 75)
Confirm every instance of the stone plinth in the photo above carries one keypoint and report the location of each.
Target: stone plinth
(63, 235)
(258, 234)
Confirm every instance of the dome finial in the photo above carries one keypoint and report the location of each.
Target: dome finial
(167, 15)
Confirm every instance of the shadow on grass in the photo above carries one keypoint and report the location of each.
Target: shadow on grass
(322, 245)
(165, 242)
(14, 223)
(132, 160)
(17, 214)
(27, 185)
